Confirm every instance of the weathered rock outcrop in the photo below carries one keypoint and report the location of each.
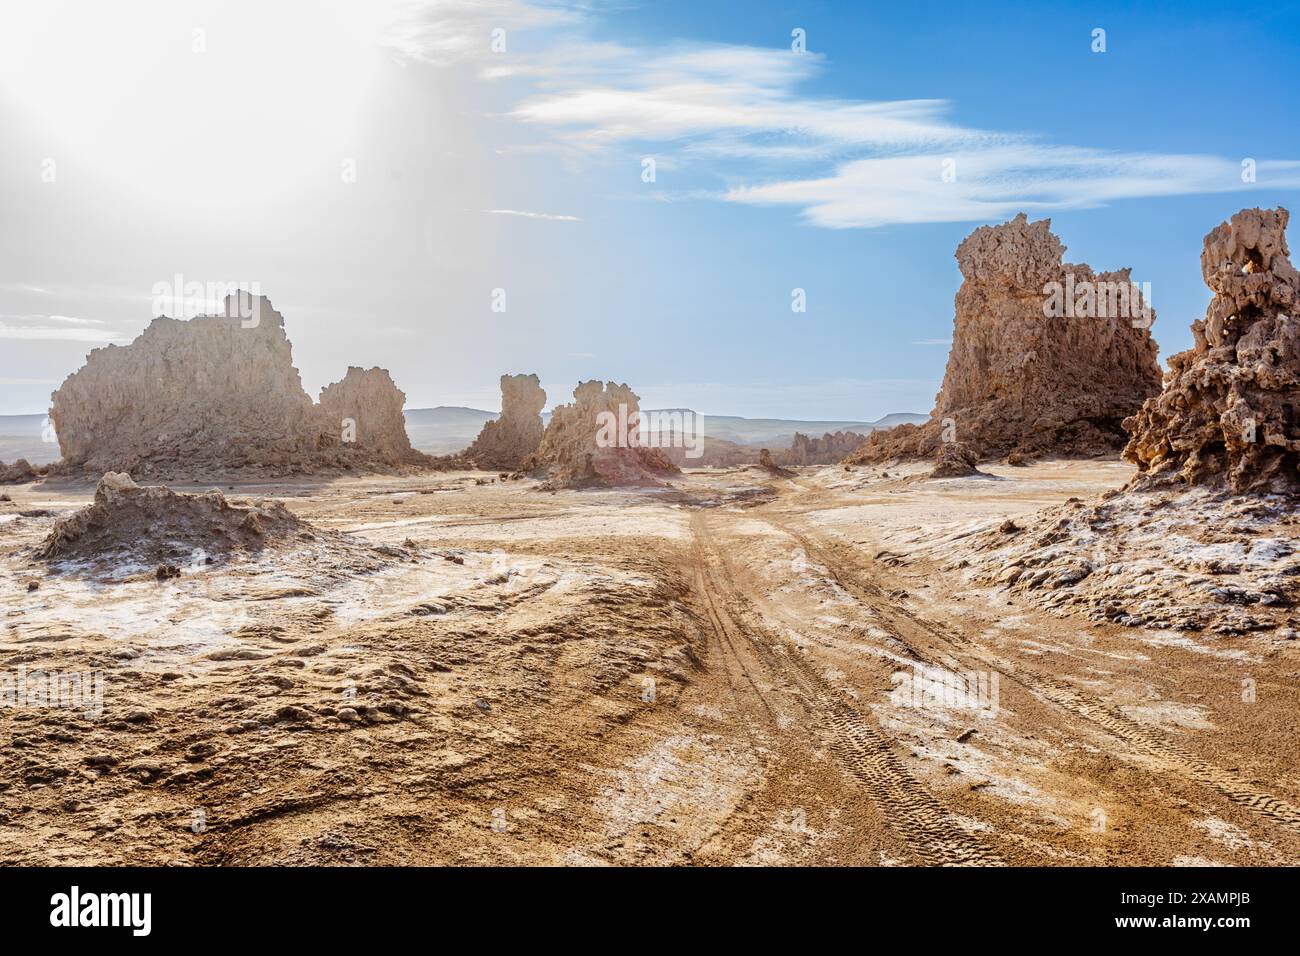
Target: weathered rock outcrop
(1203, 538)
(218, 395)
(365, 409)
(1229, 414)
(830, 448)
(1047, 357)
(506, 442)
(955, 460)
(594, 442)
(1167, 556)
(155, 524)
(768, 464)
(19, 473)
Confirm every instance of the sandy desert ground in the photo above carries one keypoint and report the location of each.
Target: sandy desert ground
(720, 672)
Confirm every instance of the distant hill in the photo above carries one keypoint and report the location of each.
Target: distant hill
(445, 429)
(20, 437)
(17, 425)
(451, 428)
(901, 418)
(779, 432)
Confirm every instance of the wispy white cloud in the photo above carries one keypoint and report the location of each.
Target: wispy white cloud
(976, 185)
(932, 342)
(445, 32)
(74, 320)
(56, 328)
(533, 215)
(740, 111)
(734, 101)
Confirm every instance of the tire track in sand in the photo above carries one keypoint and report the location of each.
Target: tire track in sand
(1167, 755)
(929, 828)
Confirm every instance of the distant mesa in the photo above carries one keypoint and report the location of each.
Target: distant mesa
(218, 395)
(1019, 382)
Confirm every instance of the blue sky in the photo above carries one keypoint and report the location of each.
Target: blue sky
(521, 168)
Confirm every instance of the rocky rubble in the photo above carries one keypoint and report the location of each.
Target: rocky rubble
(19, 473)
(1020, 382)
(219, 396)
(505, 443)
(593, 442)
(1161, 558)
(157, 525)
(1229, 413)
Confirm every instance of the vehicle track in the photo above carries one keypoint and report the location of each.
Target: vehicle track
(931, 831)
(1168, 755)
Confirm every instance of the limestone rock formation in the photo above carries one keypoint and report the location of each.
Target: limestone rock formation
(830, 448)
(156, 524)
(717, 453)
(218, 395)
(594, 442)
(365, 408)
(19, 473)
(505, 443)
(1230, 410)
(1048, 358)
(768, 464)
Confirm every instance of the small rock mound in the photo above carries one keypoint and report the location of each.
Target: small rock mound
(595, 442)
(1230, 410)
(19, 473)
(955, 460)
(505, 443)
(156, 525)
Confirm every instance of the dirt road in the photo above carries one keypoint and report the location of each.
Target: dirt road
(738, 670)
